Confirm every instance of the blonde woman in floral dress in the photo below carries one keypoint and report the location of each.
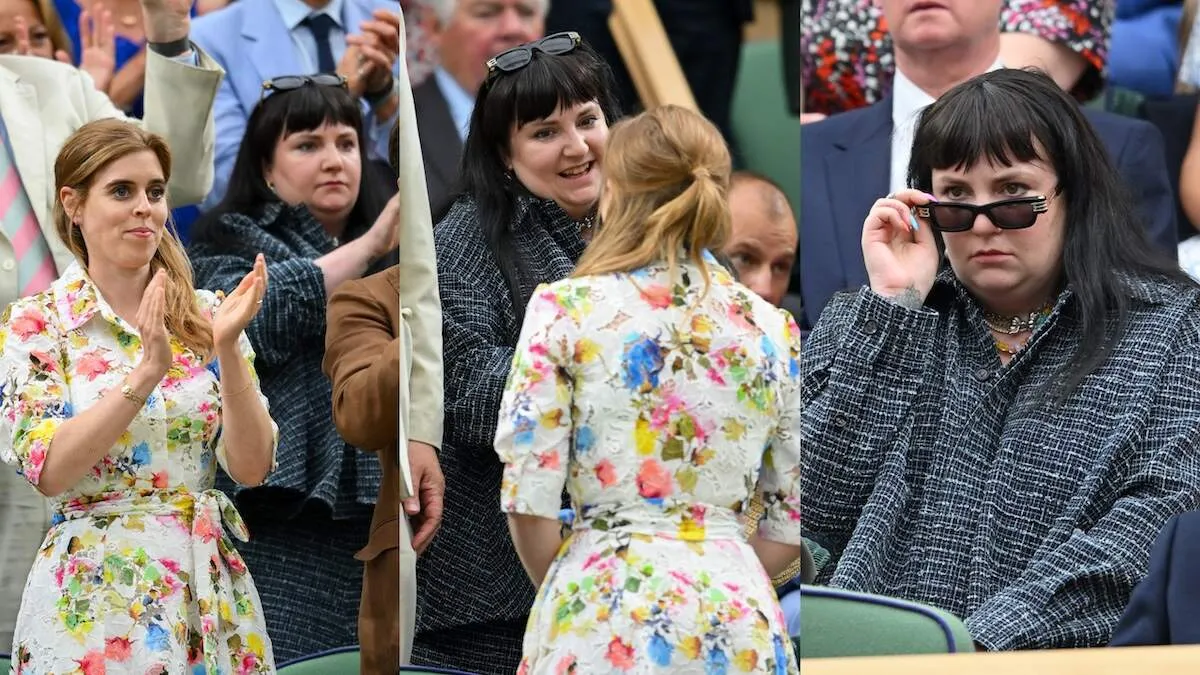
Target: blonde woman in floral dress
(662, 394)
(121, 390)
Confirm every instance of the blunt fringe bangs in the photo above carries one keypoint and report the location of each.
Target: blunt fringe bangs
(1013, 115)
(276, 117)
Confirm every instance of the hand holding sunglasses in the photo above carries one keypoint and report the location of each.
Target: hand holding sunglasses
(900, 252)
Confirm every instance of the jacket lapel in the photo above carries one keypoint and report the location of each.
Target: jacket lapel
(858, 172)
(27, 139)
(439, 140)
(265, 31)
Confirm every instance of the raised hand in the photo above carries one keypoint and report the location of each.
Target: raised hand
(240, 306)
(152, 327)
(97, 48)
(384, 235)
(899, 250)
(375, 52)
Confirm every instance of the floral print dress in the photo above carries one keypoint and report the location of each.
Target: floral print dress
(137, 573)
(662, 409)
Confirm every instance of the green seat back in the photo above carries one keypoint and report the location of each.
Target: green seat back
(343, 661)
(767, 135)
(834, 623)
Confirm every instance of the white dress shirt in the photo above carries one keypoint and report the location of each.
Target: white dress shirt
(908, 100)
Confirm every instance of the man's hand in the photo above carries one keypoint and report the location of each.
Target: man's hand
(166, 20)
(425, 510)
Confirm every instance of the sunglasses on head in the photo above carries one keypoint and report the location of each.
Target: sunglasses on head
(511, 60)
(290, 82)
(1006, 214)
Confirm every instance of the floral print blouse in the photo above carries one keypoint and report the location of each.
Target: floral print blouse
(137, 573)
(847, 50)
(661, 407)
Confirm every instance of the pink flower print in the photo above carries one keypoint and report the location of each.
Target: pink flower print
(565, 666)
(606, 473)
(737, 314)
(91, 365)
(657, 296)
(236, 564)
(653, 480)
(592, 559)
(620, 654)
(92, 663)
(37, 460)
(549, 460)
(58, 575)
(715, 376)
(661, 415)
(248, 665)
(29, 323)
(205, 528)
(170, 565)
(117, 649)
(160, 480)
(207, 625)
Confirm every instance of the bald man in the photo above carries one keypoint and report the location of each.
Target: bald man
(762, 246)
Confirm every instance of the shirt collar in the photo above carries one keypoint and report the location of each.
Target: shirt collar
(908, 100)
(295, 11)
(460, 101)
(77, 299)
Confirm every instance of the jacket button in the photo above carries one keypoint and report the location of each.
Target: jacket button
(840, 421)
(983, 374)
(870, 327)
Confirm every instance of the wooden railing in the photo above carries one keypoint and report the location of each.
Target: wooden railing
(648, 56)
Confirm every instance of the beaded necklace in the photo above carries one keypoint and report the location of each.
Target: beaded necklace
(1030, 324)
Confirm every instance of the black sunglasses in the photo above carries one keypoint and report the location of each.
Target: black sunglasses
(1006, 214)
(514, 59)
(290, 82)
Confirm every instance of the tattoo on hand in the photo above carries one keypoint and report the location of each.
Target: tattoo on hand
(909, 298)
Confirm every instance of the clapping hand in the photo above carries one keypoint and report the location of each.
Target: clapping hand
(98, 46)
(900, 252)
(240, 306)
(152, 327)
(372, 54)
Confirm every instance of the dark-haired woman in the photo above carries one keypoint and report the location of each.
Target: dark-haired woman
(1003, 436)
(532, 168)
(300, 193)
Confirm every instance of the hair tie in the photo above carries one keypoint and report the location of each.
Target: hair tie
(701, 172)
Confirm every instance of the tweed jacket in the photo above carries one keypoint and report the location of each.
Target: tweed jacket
(939, 475)
(288, 335)
(471, 573)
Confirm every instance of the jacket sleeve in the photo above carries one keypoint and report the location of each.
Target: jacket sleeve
(1144, 166)
(362, 359)
(477, 359)
(861, 369)
(293, 310)
(1072, 593)
(1145, 619)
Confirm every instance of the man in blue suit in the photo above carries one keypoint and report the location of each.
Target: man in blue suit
(1162, 609)
(259, 40)
(850, 160)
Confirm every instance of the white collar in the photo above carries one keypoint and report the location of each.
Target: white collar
(908, 99)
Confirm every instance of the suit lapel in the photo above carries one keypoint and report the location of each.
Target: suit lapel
(27, 138)
(858, 173)
(271, 51)
(436, 128)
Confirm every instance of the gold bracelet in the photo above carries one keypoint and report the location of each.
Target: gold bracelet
(239, 391)
(132, 396)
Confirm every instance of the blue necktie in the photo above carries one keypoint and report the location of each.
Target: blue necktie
(320, 25)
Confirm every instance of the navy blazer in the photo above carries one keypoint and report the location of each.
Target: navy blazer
(846, 165)
(1162, 609)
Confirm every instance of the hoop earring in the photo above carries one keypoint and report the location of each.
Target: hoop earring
(271, 187)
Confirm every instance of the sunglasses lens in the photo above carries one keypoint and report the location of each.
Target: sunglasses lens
(513, 59)
(287, 82)
(327, 80)
(557, 44)
(952, 217)
(1013, 216)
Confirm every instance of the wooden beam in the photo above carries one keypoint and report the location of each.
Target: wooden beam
(649, 58)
